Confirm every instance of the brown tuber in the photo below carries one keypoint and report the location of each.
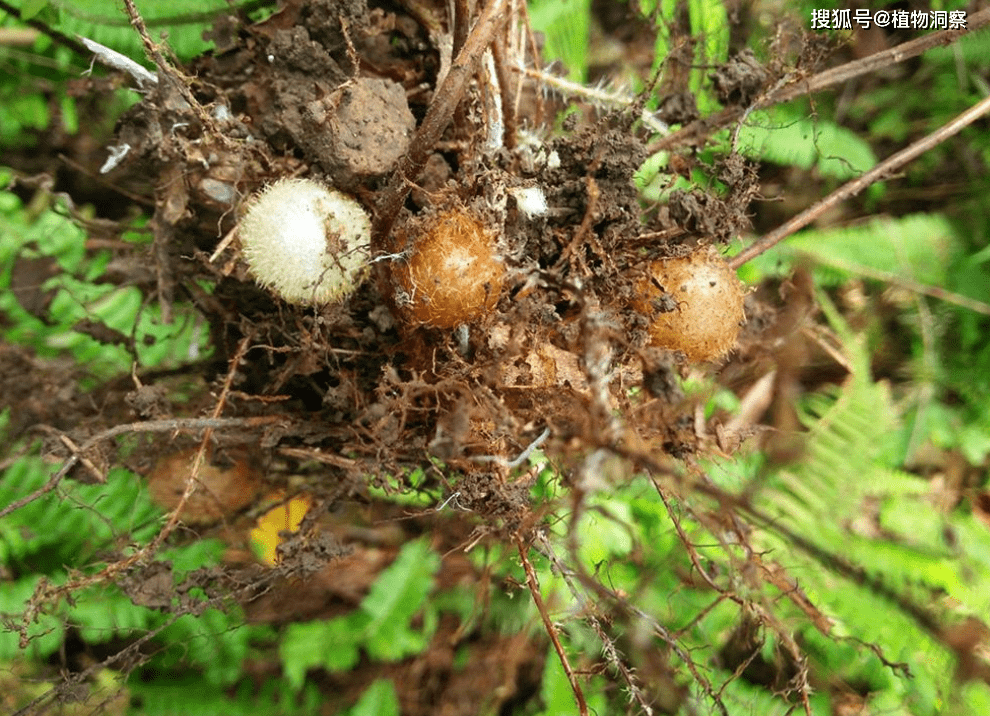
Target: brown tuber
(221, 489)
(452, 274)
(694, 304)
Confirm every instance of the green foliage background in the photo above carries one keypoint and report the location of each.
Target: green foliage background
(862, 435)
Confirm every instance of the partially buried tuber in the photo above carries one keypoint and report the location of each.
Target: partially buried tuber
(451, 274)
(305, 242)
(694, 304)
(222, 487)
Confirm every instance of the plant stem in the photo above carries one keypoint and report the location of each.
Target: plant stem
(448, 96)
(851, 188)
(534, 588)
(697, 132)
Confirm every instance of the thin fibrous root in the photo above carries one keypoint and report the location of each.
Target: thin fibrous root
(611, 99)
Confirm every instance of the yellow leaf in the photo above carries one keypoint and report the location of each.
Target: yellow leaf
(286, 517)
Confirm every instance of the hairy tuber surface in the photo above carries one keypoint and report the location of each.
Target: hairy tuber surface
(221, 489)
(452, 274)
(305, 242)
(694, 304)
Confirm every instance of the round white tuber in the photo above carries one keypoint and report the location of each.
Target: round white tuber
(305, 242)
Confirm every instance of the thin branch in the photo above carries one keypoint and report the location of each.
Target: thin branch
(612, 654)
(909, 284)
(192, 480)
(87, 463)
(883, 170)
(879, 60)
(136, 653)
(150, 426)
(169, 75)
(689, 546)
(534, 588)
(523, 456)
(71, 680)
(697, 131)
(448, 95)
(841, 565)
(591, 585)
(46, 592)
(461, 24)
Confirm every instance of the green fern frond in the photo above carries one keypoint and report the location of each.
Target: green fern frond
(108, 24)
(784, 137)
(379, 699)
(382, 627)
(847, 498)
(566, 26)
(45, 634)
(70, 525)
(918, 247)
(848, 433)
(192, 696)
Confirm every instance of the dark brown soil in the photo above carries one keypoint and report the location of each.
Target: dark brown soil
(330, 90)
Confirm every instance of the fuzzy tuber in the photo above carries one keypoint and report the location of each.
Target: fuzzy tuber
(222, 488)
(452, 274)
(694, 304)
(305, 242)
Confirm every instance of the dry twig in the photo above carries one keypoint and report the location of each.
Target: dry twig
(881, 171)
(149, 426)
(534, 589)
(697, 132)
(448, 96)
